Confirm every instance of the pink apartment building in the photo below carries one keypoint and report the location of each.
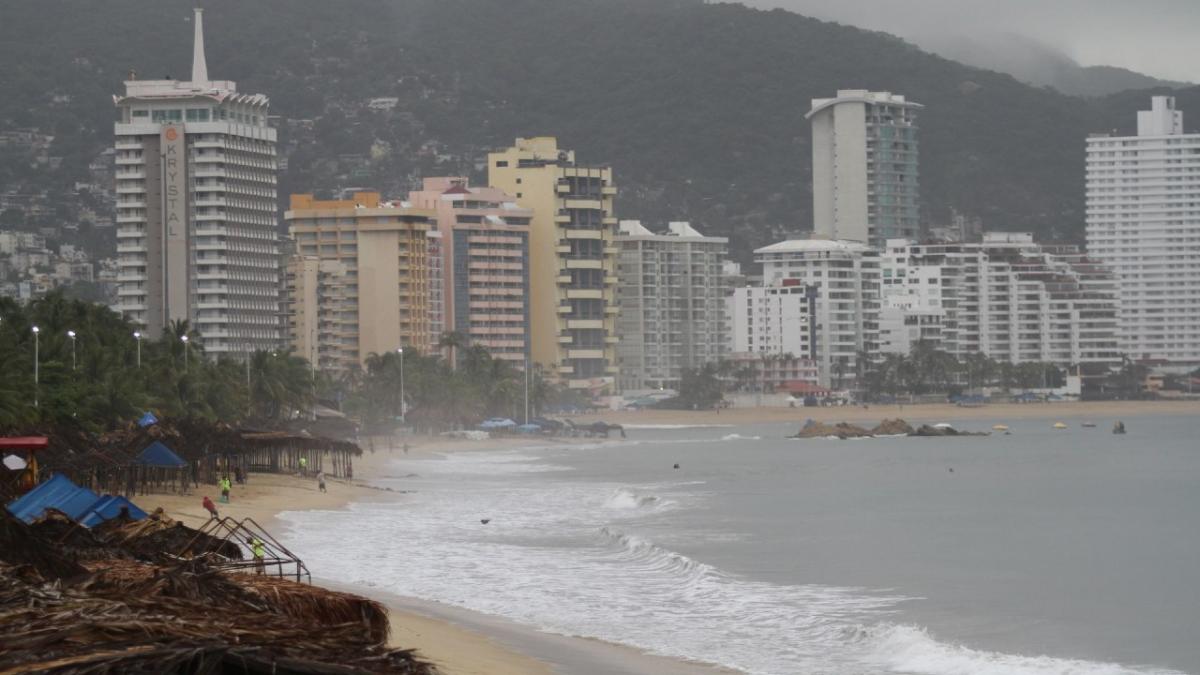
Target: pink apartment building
(485, 263)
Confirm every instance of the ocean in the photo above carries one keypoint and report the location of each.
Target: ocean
(1043, 552)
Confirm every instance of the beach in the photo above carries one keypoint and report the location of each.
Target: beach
(464, 642)
(458, 641)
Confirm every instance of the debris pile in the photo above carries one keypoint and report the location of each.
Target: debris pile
(113, 614)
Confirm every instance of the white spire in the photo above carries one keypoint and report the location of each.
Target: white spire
(199, 65)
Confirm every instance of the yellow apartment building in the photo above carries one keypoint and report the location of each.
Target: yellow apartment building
(359, 282)
(573, 257)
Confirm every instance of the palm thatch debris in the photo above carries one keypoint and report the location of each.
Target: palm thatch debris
(118, 615)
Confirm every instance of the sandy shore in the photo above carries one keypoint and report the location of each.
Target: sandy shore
(458, 641)
(1098, 411)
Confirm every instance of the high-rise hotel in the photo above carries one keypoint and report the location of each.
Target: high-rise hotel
(196, 209)
(1143, 221)
(865, 180)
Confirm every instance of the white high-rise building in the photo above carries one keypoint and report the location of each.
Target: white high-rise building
(1143, 221)
(196, 209)
(843, 317)
(1007, 297)
(865, 179)
(671, 292)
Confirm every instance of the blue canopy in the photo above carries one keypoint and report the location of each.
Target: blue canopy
(157, 454)
(57, 493)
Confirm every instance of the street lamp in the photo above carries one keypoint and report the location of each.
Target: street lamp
(137, 335)
(36, 330)
(185, 352)
(71, 334)
(402, 406)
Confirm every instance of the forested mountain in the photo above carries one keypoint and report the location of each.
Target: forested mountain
(699, 107)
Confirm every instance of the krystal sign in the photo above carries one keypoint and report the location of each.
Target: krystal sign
(175, 222)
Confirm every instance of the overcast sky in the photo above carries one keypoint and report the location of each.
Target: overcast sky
(1155, 37)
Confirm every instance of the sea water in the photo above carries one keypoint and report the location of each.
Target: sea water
(1043, 552)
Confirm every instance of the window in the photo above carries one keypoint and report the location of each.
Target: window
(141, 113)
(501, 163)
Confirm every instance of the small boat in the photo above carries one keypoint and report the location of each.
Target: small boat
(999, 427)
(942, 425)
(1119, 428)
(1060, 425)
(1088, 425)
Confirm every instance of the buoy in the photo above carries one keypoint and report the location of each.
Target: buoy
(1060, 425)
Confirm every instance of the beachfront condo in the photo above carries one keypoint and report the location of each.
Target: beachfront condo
(1143, 221)
(572, 273)
(359, 282)
(485, 258)
(830, 291)
(1006, 297)
(672, 297)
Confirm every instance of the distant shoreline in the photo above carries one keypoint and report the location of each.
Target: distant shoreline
(1100, 412)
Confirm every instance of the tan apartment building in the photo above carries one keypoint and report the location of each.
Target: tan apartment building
(572, 275)
(485, 258)
(359, 282)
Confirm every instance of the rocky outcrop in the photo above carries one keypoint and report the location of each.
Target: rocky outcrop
(894, 427)
(926, 430)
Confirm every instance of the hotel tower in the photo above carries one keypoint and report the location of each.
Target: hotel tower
(196, 209)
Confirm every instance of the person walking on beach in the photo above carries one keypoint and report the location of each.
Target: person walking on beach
(258, 550)
(303, 466)
(321, 481)
(226, 486)
(211, 508)
(238, 475)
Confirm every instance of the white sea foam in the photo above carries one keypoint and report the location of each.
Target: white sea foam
(739, 437)
(626, 498)
(910, 649)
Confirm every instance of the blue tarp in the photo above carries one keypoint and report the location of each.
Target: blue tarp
(109, 507)
(147, 420)
(78, 503)
(157, 454)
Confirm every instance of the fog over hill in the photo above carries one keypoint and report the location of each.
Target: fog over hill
(699, 107)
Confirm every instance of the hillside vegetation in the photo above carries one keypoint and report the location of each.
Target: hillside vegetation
(698, 107)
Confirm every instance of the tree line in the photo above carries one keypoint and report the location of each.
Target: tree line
(109, 374)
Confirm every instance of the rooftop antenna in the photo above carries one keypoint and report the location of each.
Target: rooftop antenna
(199, 65)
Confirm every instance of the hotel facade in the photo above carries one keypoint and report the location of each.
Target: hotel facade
(360, 281)
(196, 209)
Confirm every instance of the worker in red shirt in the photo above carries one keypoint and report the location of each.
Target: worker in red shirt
(211, 508)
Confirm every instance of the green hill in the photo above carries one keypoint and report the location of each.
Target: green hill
(700, 108)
